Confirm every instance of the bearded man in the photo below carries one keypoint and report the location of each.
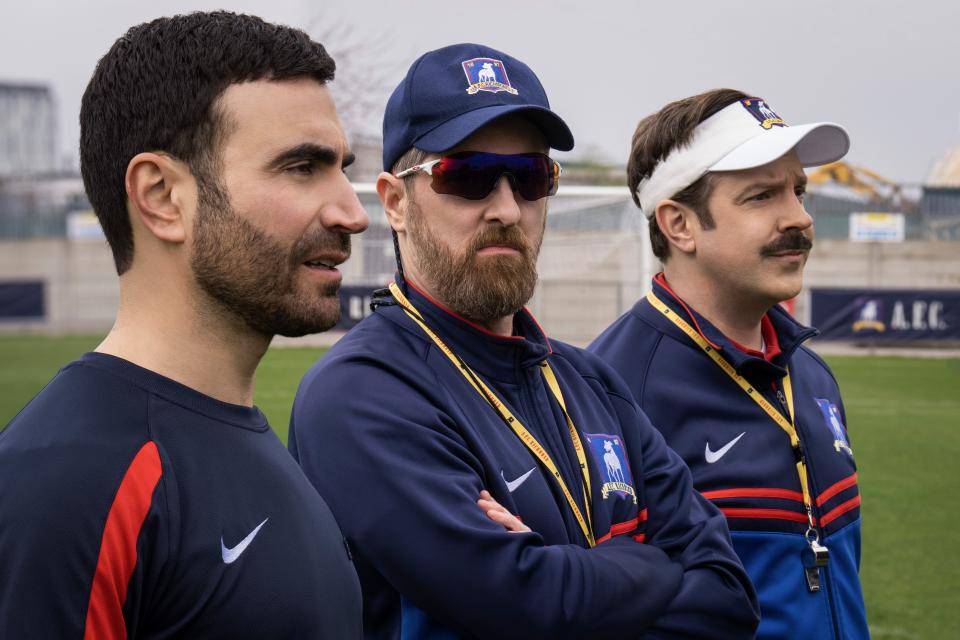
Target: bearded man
(490, 482)
(143, 495)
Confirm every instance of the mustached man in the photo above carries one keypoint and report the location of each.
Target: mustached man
(720, 367)
(491, 482)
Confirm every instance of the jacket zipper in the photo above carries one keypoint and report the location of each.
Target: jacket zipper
(556, 447)
(811, 479)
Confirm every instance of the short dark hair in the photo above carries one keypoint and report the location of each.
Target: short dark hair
(659, 134)
(156, 89)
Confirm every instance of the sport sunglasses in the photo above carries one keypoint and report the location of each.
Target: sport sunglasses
(474, 174)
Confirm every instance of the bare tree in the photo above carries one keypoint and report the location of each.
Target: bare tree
(366, 74)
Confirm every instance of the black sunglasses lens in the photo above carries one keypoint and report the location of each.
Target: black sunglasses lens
(468, 175)
(474, 174)
(535, 179)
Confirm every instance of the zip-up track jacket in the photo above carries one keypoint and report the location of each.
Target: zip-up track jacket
(742, 461)
(401, 445)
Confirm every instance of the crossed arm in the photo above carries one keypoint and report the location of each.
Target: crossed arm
(425, 514)
(499, 514)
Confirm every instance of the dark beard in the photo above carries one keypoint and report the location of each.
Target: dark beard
(253, 277)
(484, 288)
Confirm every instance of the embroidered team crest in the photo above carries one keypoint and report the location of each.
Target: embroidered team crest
(765, 116)
(612, 461)
(868, 316)
(487, 74)
(831, 415)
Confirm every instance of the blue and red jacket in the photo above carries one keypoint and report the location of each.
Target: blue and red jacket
(400, 445)
(132, 506)
(742, 460)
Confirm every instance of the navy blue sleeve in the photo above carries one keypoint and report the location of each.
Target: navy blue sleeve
(403, 484)
(716, 598)
(73, 533)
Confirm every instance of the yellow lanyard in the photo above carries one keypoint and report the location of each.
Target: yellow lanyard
(786, 425)
(525, 436)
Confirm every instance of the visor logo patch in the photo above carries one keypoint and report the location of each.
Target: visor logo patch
(757, 107)
(487, 74)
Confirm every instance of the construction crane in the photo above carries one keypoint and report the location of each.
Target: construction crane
(859, 179)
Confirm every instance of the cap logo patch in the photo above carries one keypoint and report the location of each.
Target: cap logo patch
(487, 74)
(765, 115)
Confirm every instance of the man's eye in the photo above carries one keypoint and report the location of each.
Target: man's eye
(302, 168)
(763, 195)
(800, 192)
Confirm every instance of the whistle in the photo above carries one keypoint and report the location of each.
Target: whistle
(814, 557)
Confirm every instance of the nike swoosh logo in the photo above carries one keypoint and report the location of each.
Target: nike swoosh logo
(713, 456)
(512, 485)
(231, 555)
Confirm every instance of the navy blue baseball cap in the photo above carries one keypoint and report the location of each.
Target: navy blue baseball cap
(450, 93)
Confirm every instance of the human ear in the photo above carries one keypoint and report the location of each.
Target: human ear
(159, 189)
(392, 192)
(676, 222)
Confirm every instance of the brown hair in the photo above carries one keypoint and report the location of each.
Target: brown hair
(659, 134)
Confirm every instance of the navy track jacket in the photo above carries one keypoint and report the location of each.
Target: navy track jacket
(132, 506)
(742, 460)
(400, 445)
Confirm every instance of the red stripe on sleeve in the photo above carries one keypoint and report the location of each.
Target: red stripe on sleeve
(621, 528)
(783, 494)
(118, 548)
(765, 514)
(832, 515)
(843, 485)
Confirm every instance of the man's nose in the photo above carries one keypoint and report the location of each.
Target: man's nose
(503, 205)
(345, 213)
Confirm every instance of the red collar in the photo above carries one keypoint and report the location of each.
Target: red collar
(769, 334)
(771, 344)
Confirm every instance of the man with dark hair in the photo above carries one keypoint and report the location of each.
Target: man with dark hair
(143, 493)
(477, 420)
(720, 367)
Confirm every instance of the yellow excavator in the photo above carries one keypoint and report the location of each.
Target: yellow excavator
(859, 179)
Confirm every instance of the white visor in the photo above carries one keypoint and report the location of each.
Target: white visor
(743, 135)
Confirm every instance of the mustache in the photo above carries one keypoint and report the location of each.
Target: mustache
(510, 237)
(790, 241)
(321, 241)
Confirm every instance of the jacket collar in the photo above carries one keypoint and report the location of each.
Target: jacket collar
(489, 354)
(790, 334)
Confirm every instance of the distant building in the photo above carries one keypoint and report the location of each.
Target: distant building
(940, 204)
(39, 206)
(946, 171)
(28, 144)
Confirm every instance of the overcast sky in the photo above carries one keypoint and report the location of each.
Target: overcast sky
(888, 71)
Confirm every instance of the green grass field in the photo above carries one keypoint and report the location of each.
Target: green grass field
(904, 417)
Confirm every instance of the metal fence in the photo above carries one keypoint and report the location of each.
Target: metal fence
(40, 208)
(595, 261)
(930, 213)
